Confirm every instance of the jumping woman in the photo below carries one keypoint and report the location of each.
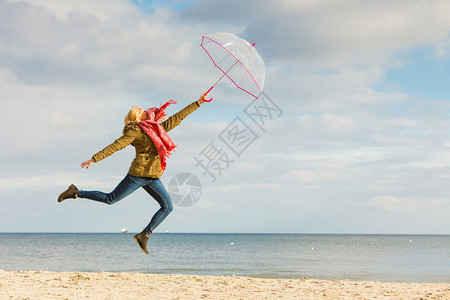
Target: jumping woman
(144, 132)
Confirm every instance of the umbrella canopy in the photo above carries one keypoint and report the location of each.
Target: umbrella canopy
(237, 59)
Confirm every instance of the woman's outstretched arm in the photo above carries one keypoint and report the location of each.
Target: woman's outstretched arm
(176, 119)
(126, 139)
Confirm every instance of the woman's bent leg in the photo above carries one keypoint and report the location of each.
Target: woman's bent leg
(128, 185)
(157, 190)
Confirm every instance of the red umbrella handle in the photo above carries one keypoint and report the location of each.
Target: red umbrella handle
(208, 92)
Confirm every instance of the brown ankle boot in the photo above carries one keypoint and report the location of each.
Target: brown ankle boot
(141, 239)
(69, 193)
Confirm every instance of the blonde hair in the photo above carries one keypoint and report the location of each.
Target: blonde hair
(133, 116)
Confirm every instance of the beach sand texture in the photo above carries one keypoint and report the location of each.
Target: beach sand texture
(103, 285)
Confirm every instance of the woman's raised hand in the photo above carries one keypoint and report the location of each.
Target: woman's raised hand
(203, 98)
(87, 163)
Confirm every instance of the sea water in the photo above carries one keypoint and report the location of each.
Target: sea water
(400, 258)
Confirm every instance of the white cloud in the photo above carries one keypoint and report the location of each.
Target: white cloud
(315, 176)
(336, 123)
(49, 181)
(94, 42)
(442, 48)
(391, 203)
(101, 10)
(348, 155)
(330, 33)
(435, 160)
(386, 202)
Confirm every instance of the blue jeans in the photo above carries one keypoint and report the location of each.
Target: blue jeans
(129, 184)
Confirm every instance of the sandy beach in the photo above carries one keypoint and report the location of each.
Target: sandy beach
(104, 285)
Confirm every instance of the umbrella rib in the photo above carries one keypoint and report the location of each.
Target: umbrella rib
(223, 48)
(229, 54)
(245, 74)
(225, 73)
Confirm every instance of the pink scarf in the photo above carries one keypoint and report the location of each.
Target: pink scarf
(159, 137)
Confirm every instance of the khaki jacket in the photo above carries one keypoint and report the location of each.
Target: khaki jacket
(147, 162)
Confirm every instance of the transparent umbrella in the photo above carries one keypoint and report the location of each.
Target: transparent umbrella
(237, 59)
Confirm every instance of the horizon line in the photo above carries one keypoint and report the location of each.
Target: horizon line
(243, 233)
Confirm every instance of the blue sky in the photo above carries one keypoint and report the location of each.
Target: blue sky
(423, 74)
(362, 145)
